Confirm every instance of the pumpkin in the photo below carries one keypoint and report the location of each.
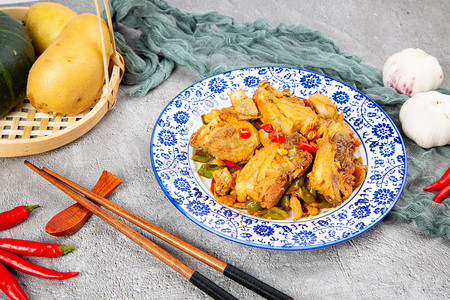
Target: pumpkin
(16, 58)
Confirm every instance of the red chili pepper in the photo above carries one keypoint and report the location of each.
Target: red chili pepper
(443, 181)
(442, 194)
(311, 147)
(213, 185)
(267, 127)
(244, 133)
(28, 267)
(14, 216)
(311, 135)
(231, 164)
(31, 248)
(305, 101)
(277, 137)
(10, 286)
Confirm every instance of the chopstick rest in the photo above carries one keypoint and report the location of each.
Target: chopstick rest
(228, 270)
(71, 219)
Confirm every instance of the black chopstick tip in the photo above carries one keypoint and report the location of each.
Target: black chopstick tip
(254, 284)
(209, 287)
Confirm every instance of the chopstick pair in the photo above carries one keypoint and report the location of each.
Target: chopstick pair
(76, 192)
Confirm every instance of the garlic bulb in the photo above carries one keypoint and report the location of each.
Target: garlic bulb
(412, 71)
(425, 119)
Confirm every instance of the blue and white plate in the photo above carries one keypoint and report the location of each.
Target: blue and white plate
(382, 150)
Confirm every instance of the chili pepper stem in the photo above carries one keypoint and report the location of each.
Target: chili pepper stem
(66, 249)
(30, 208)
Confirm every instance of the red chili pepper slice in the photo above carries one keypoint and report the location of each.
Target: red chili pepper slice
(244, 133)
(444, 180)
(231, 164)
(277, 137)
(10, 286)
(28, 267)
(311, 147)
(14, 216)
(267, 127)
(311, 135)
(442, 194)
(31, 248)
(213, 185)
(305, 101)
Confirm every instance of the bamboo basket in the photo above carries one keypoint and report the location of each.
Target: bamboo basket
(26, 131)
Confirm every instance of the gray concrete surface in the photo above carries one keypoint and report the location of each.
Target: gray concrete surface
(393, 260)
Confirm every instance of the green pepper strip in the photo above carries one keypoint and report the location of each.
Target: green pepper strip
(202, 156)
(296, 184)
(277, 213)
(253, 206)
(306, 195)
(207, 170)
(285, 201)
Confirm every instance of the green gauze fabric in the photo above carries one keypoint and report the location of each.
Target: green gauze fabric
(159, 37)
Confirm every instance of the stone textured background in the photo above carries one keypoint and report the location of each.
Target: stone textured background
(393, 260)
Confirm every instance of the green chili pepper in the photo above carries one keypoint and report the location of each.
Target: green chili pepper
(325, 204)
(306, 195)
(206, 170)
(277, 213)
(253, 206)
(284, 202)
(310, 189)
(263, 213)
(202, 156)
(296, 184)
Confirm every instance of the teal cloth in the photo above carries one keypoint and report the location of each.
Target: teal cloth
(155, 36)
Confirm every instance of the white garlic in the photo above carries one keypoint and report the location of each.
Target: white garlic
(412, 71)
(425, 119)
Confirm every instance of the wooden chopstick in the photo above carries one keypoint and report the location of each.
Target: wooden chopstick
(228, 270)
(191, 275)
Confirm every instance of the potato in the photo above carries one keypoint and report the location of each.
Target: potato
(69, 75)
(44, 21)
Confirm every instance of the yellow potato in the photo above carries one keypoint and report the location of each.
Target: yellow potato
(44, 21)
(68, 76)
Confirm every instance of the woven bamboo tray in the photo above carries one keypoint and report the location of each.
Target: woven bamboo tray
(26, 131)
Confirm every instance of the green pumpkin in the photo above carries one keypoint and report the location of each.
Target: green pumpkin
(16, 58)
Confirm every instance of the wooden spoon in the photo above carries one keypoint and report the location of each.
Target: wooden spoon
(71, 219)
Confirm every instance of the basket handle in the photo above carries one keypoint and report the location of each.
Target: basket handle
(111, 85)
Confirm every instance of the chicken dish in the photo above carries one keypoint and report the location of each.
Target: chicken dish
(276, 154)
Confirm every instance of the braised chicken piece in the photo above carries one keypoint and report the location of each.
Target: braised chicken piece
(242, 107)
(271, 170)
(323, 106)
(224, 183)
(226, 138)
(326, 111)
(286, 112)
(334, 165)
